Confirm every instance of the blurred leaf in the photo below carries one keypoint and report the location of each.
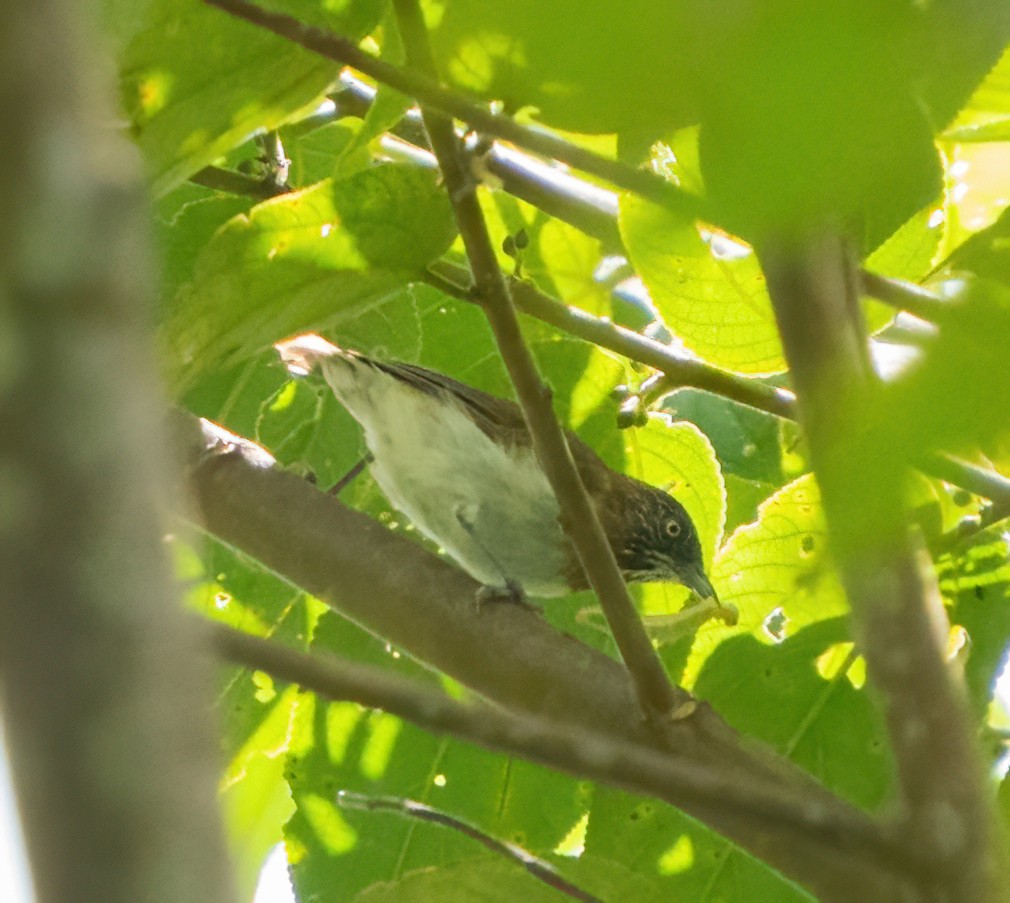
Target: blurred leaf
(196, 82)
(186, 226)
(303, 261)
(908, 253)
(964, 43)
(805, 79)
(254, 716)
(317, 155)
(985, 254)
(528, 55)
(956, 397)
(986, 116)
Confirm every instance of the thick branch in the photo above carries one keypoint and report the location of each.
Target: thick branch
(105, 702)
(656, 695)
(896, 607)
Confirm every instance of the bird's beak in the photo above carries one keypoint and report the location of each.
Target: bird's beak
(693, 577)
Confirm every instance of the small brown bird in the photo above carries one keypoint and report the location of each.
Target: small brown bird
(460, 464)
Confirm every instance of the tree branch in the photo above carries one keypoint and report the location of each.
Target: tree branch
(539, 868)
(106, 705)
(897, 611)
(454, 281)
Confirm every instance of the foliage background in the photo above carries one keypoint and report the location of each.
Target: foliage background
(892, 118)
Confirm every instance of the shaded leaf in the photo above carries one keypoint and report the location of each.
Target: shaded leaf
(303, 261)
(196, 82)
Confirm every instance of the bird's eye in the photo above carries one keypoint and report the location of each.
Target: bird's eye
(672, 529)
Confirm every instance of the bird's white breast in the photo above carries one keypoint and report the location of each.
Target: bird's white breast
(490, 507)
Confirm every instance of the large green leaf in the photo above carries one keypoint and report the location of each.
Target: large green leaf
(304, 261)
(708, 289)
(680, 859)
(529, 54)
(805, 696)
(777, 567)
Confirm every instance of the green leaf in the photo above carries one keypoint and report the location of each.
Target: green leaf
(342, 747)
(304, 261)
(186, 226)
(986, 116)
(490, 879)
(528, 54)
(253, 714)
(319, 154)
(680, 858)
(196, 82)
(908, 253)
(780, 561)
(796, 696)
(709, 290)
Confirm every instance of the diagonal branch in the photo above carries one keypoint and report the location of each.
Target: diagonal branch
(656, 695)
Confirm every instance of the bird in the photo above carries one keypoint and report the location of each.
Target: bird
(460, 464)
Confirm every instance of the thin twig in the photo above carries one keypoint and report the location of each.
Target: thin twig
(903, 295)
(540, 869)
(220, 179)
(682, 371)
(657, 696)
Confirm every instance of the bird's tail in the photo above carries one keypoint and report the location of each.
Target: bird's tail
(302, 353)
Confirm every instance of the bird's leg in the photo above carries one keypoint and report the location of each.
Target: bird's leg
(346, 479)
(510, 590)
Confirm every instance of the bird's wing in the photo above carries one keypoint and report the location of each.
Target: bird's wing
(496, 417)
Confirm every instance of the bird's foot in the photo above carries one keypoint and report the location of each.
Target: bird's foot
(511, 593)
